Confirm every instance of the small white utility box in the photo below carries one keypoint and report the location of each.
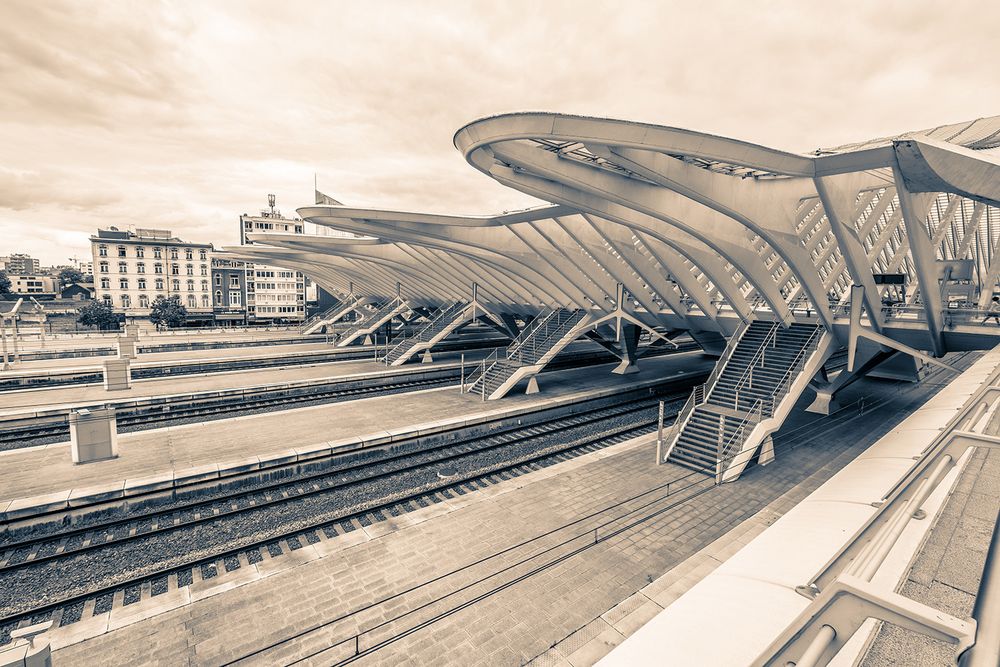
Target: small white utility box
(93, 434)
(126, 347)
(117, 374)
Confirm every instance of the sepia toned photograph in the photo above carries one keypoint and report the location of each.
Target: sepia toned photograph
(443, 333)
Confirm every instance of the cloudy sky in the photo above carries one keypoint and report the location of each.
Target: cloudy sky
(182, 115)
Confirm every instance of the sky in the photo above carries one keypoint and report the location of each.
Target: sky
(183, 115)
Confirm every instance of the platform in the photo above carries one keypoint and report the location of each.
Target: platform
(576, 604)
(160, 358)
(162, 450)
(34, 399)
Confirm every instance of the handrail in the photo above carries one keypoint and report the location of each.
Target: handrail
(696, 398)
(731, 346)
(445, 315)
(794, 367)
(747, 377)
(724, 451)
(555, 325)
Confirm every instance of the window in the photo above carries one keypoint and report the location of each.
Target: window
(176, 285)
(157, 268)
(107, 299)
(192, 303)
(157, 253)
(126, 301)
(121, 251)
(218, 297)
(235, 299)
(204, 269)
(188, 254)
(204, 301)
(104, 267)
(173, 253)
(190, 270)
(218, 280)
(123, 283)
(102, 250)
(122, 267)
(142, 283)
(202, 255)
(140, 251)
(175, 269)
(204, 285)
(140, 267)
(234, 281)
(105, 283)
(143, 300)
(190, 286)
(159, 284)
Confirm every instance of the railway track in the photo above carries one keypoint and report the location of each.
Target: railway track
(252, 524)
(158, 415)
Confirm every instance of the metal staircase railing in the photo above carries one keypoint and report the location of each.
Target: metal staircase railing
(438, 323)
(322, 315)
(529, 346)
(728, 450)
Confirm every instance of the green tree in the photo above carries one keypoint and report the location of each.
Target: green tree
(97, 314)
(168, 311)
(69, 275)
(4, 284)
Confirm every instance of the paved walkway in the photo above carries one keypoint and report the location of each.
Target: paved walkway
(18, 401)
(70, 342)
(161, 450)
(549, 521)
(947, 571)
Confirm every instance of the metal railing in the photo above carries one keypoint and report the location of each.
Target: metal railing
(553, 327)
(747, 378)
(794, 368)
(324, 314)
(727, 451)
(727, 353)
(440, 321)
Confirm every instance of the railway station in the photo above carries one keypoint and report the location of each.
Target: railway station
(708, 384)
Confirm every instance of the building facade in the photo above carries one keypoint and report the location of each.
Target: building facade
(229, 291)
(273, 293)
(20, 264)
(131, 269)
(34, 285)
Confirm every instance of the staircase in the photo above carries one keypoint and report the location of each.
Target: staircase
(750, 381)
(372, 322)
(534, 347)
(328, 316)
(442, 324)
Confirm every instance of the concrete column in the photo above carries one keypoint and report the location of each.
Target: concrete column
(132, 331)
(93, 435)
(628, 344)
(117, 375)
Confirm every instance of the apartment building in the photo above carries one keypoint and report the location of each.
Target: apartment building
(273, 293)
(131, 269)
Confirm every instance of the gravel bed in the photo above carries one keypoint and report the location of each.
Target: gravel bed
(160, 552)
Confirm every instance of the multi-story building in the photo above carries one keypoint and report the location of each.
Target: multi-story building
(32, 284)
(86, 268)
(20, 264)
(229, 291)
(133, 268)
(273, 293)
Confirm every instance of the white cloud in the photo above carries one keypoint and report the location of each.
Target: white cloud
(186, 114)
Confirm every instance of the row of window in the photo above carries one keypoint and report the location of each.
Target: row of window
(278, 309)
(235, 298)
(140, 267)
(126, 301)
(140, 251)
(141, 284)
(234, 281)
(271, 274)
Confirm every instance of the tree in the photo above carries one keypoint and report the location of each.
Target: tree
(69, 275)
(97, 314)
(4, 284)
(168, 311)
